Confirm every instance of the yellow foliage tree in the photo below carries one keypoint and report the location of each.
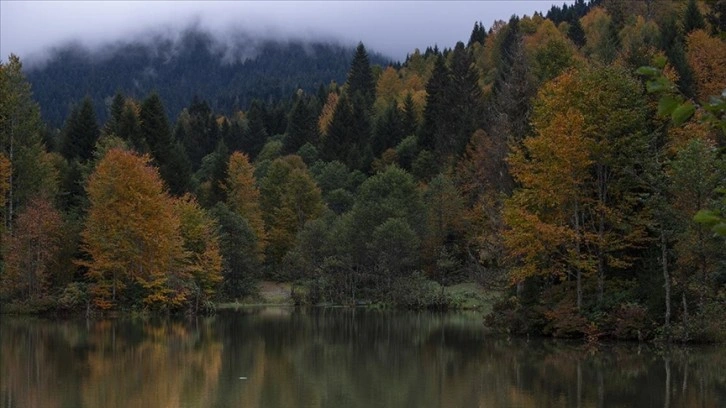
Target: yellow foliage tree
(243, 196)
(326, 114)
(201, 245)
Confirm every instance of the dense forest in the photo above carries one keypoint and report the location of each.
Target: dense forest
(228, 73)
(573, 161)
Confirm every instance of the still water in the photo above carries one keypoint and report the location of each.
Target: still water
(278, 357)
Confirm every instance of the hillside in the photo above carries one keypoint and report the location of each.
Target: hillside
(228, 73)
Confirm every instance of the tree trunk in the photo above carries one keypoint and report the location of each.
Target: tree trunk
(577, 253)
(685, 315)
(666, 283)
(667, 403)
(11, 154)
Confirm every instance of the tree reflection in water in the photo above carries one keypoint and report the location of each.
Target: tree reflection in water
(277, 357)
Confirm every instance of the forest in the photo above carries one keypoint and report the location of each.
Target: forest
(572, 161)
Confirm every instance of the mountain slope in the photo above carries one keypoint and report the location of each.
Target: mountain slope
(228, 74)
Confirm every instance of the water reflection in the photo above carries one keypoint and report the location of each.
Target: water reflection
(278, 357)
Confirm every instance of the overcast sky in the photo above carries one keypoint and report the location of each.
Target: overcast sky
(394, 28)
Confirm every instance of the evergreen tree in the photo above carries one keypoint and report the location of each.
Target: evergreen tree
(81, 133)
(233, 133)
(466, 99)
(178, 170)
(436, 120)
(576, 33)
(339, 134)
(302, 127)
(116, 112)
(717, 17)
(672, 42)
(256, 133)
(200, 134)
(360, 77)
(171, 158)
(359, 152)
(155, 128)
(478, 34)
(388, 131)
(238, 246)
(692, 18)
(129, 129)
(409, 121)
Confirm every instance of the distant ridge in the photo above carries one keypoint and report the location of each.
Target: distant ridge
(229, 74)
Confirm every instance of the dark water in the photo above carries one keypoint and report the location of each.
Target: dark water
(336, 358)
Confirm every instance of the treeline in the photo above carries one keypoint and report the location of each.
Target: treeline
(563, 163)
(228, 73)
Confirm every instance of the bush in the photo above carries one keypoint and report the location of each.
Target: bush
(417, 292)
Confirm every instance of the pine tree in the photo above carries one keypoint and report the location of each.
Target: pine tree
(388, 131)
(129, 129)
(692, 18)
(672, 41)
(436, 117)
(33, 173)
(466, 99)
(256, 134)
(360, 77)
(338, 139)
(155, 127)
(361, 130)
(80, 133)
(478, 34)
(409, 120)
(576, 34)
(170, 157)
(115, 113)
(302, 127)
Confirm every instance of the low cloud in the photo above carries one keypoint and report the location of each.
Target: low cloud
(394, 28)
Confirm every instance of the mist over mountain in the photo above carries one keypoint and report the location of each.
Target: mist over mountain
(228, 72)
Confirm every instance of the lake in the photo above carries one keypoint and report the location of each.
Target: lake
(337, 357)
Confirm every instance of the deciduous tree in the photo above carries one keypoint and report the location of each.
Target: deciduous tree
(132, 234)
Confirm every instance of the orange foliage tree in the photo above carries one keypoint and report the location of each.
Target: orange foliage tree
(580, 177)
(132, 234)
(707, 56)
(31, 250)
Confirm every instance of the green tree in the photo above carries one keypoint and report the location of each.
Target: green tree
(391, 194)
(478, 34)
(437, 120)
(80, 133)
(238, 246)
(388, 131)
(692, 18)
(33, 173)
(694, 175)
(202, 257)
(170, 157)
(338, 136)
(289, 198)
(360, 78)
(243, 197)
(302, 126)
(116, 111)
(256, 134)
